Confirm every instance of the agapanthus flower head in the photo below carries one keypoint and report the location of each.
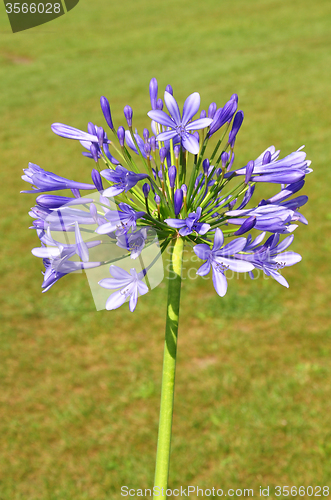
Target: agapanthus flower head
(198, 194)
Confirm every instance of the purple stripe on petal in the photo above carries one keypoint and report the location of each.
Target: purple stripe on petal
(199, 124)
(190, 143)
(166, 136)
(219, 281)
(115, 301)
(72, 133)
(161, 117)
(284, 177)
(191, 106)
(173, 108)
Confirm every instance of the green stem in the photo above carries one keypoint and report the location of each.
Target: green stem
(169, 368)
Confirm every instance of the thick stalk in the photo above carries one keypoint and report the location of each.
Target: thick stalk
(169, 369)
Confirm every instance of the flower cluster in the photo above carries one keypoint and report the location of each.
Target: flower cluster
(176, 180)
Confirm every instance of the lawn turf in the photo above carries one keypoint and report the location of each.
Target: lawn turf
(80, 389)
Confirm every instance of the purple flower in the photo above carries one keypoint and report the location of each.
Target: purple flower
(133, 242)
(172, 172)
(130, 285)
(56, 256)
(178, 200)
(123, 179)
(128, 113)
(237, 122)
(53, 201)
(96, 178)
(141, 143)
(219, 260)
(146, 189)
(289, 170)
(121, 135)
(153, 92)
(120, 220)
(246, 226)
(270, 257)
(224, 114)
(179, 127)
(190, 224)
(286, 192)
(73, 133)
(47, 181)
(272, 218)
(106, 111)
(212, 110)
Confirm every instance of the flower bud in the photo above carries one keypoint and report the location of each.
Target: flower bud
(152, 142)
(203, 113)
(106, 111)
(178, 201)
(160, 175)
(121, 135)
(266, 158)
(184, 189)
(237, 122)
(246, 226)
(96, 178)
(205, 166)
(157, 199)
(159, 104)
(172, 172)
(100, 135)
(249, 171)
(223, 115)
(147, 149)
(94, 152)
(169, 89)
(153, 92)
(212, 110)
(146, 134)
(177, 151)
(128, 114)
(163, 154)
(146, 189)
(224, 158)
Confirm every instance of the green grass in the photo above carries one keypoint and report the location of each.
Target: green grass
(80, 389)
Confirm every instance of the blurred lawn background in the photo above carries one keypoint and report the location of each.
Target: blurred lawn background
(80, 389)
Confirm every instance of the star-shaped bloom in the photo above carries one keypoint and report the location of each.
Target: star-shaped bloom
(220, 259)
(56, 256)
(123, 180)
(268, 168)
(133, 242)
(179, 126)
(270, 257)
(120, 220)
(130, 285)
(190, 224)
